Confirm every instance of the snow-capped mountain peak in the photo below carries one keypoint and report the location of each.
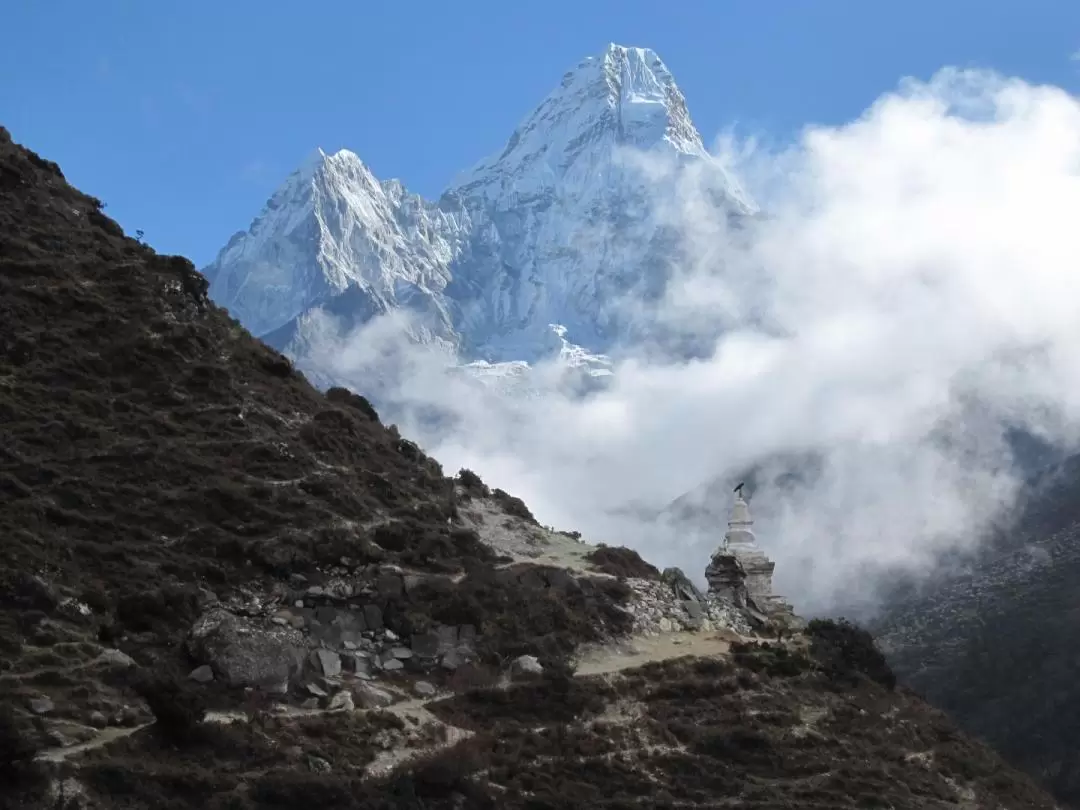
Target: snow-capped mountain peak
(625, 97)
(558, 228)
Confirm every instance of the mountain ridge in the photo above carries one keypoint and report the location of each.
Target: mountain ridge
(548, 236)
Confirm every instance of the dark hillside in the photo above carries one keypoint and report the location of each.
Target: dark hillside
(151, 447)
(156, 460)
(997, 645)
(220, 588)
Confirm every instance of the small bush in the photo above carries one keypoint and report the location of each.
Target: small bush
(17, 751)
(622, 562)
(472, 484)
(178, 709)
(847, 651)
(771, 660)
(513, 506)
(343, 396)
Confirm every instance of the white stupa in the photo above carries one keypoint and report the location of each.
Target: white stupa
(739, 570)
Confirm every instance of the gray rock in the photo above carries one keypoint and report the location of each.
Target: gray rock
(98, 720)
(281, 621)
(425, 645)
(448, 637)
(681, 585)
(390, 634)
(60, 740)
(114, 659)
(341, 702)
(393, 665)
(243, 653)
(202, 674)
(423, 688)
(315, 689)
(526, 665)
(372, 697)
(318, 764)
(328, 662)
(401, 653)
(373, 616)
(356, 663)
(41, 705)
(350, 637)
(453, 660)
(694, 609)
(310, 703)
(390, 585)
(467, 635)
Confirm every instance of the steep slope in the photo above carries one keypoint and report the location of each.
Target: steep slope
(222, 589)
(562, 230)
(994, 641)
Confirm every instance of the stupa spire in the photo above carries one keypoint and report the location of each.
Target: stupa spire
(740, 531)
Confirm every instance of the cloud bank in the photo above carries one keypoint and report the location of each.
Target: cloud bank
(912, 287)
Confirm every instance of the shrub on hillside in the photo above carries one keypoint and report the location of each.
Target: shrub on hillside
(343, 396)
(847, 651)
(17, 751)
(513, 506)
(622, 562)
(472, 484)
(178, 709)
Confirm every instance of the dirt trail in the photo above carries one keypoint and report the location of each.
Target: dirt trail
(639, 650)
(624, 654)
(524, 541)
(104, 737)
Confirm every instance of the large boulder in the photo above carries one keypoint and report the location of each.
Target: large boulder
(727, 578)
(526, 666)
(680, 584)
(242, 652)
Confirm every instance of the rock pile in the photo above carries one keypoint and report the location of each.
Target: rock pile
(317, 635)
(674, 604)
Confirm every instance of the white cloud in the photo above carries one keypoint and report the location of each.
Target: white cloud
(915, 279)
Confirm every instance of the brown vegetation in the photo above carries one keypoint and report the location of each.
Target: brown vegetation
(622, 562)
(156, 457)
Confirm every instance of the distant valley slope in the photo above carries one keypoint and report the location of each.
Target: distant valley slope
(994, 640)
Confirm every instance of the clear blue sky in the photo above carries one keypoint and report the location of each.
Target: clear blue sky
(184, 116)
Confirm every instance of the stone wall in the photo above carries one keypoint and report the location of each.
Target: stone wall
(315, 635)
(664, 606)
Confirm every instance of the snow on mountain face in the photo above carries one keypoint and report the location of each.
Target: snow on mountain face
(526, 256)
(626, 97)
(330, 227)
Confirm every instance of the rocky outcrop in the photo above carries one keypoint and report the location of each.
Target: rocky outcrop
(663, 607)
(727, 578)
(242, 652)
